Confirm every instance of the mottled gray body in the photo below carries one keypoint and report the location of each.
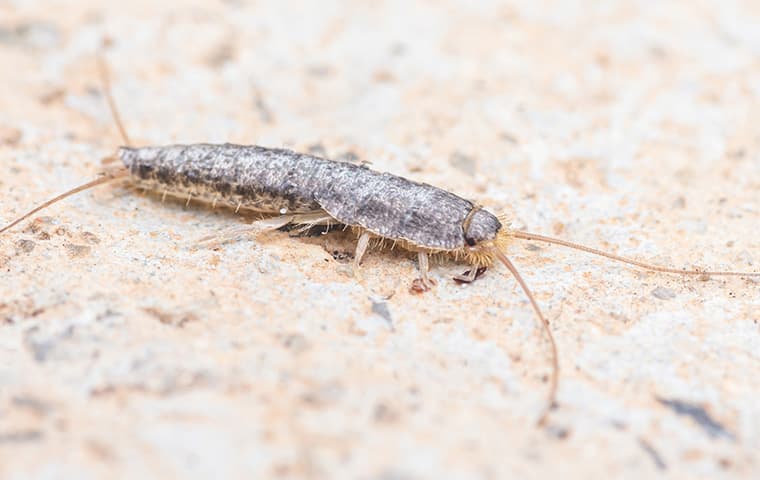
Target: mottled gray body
(282, 181)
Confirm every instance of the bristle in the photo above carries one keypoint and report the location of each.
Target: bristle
(504, 219)
(479, 257)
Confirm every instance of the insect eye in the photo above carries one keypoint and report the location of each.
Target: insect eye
(470, 241)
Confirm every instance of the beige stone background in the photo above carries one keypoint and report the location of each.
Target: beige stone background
(632, 126)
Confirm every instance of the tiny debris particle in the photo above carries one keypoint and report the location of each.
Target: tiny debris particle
(348, 156)
(384, 413)
(261, 107)
(21, 436)
(51, 95)
(100, 450)
(383, 76)
(10, 136)
(653, 454)
(508, 137)
(179, 319)
(658, 52)
(319, 70)
(296, 342)
(663, 293)
(324, 395)
(317, 149)
(90, 238)
(42, 348)
(398, 49)
(699, 415)
(267, 264)
(560, 433)
(221, 54)
(35, 225)
(214, 260)
(745, 257)
(75, 250)
(342, 256)
(25, 246)
(463, 163)
(381, 308)
(32, 403)
(35, 35)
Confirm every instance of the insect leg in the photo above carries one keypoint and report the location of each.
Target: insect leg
(213, 241)
(424, 266)
(468, 276)
(308, 221)
(361, 249)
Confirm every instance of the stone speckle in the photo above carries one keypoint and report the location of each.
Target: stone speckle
(664, 293)
(699, 415)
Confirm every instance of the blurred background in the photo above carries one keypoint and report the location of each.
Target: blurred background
(626, 125)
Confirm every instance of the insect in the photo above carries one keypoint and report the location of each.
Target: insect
(306, 190)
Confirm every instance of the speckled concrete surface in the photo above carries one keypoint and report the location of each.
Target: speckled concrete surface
(126, 354)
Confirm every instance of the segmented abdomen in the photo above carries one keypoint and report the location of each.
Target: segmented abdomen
(255, 178)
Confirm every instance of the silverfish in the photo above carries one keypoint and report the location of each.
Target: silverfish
(307, 190)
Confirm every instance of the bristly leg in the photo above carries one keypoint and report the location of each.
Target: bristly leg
(315, 229)
(230, 234)
(424, 266)
(361, 249)
(267, 224)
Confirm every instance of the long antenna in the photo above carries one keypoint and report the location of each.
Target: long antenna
(630, 261)
(552, 397)
(108, 176)
(106, 80)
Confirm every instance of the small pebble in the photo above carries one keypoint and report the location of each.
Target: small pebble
(463, 163)
(25, 246)
(745, 257)
(75, 250)
(10, 136)
(663, 293)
